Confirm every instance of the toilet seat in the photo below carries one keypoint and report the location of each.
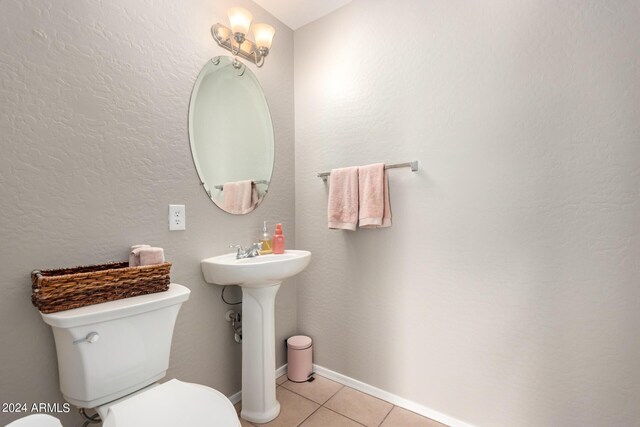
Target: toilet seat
(36, 420)
(173, 403)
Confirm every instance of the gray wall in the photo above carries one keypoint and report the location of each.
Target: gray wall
(94, 146)
(506, 292)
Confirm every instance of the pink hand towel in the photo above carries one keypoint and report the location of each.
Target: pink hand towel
(343, 198)
(375, 210)
(240, 197)
(134, 257)
(150, 256)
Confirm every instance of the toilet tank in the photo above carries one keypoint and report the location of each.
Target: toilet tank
(106, 351)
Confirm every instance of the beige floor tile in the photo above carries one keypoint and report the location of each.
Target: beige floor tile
(326, 418)
(399, 417)
(243, 423)
(281, 379)
(359, 406)
(318, 390)
(293, 409)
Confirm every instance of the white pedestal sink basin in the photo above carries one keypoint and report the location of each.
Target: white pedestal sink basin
(260, 279)
(259, 272)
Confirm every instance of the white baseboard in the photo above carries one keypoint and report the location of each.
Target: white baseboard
(375, 392)
(281, 370)
(389, 397)
(237, 397)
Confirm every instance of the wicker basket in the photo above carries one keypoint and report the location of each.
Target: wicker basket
(67, 288)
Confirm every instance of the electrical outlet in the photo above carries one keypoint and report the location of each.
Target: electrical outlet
(177, 218)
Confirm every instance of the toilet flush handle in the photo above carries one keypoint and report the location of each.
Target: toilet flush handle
(92, 337)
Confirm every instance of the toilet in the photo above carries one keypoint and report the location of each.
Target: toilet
(112, 355)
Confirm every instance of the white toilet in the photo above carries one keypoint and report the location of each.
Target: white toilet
(110, 356)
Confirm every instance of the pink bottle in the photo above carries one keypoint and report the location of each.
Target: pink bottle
(278, 240)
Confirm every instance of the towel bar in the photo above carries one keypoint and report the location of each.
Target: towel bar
(413, 165)
(261, 181)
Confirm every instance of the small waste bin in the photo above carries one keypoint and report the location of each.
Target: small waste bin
(299, 358)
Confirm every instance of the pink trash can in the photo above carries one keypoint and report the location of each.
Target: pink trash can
(299, 358)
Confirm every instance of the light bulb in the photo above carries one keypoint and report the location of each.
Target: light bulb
(240, 20)
(263, 34)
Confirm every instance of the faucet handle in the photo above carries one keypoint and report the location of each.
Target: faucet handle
(239, 248)
(255, 249)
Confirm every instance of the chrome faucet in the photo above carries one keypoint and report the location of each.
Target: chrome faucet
(251, 252)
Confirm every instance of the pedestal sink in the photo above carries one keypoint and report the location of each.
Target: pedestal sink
(260, 279)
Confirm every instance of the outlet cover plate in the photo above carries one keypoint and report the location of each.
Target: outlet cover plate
(177, 218)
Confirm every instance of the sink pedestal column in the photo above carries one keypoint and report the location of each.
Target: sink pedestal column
(259, 402)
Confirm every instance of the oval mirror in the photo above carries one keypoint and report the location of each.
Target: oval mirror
(231, 135)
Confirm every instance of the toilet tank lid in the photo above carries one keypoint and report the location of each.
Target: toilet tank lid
(89, 314)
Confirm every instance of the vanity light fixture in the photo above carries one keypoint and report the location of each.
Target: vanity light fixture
(235, 38)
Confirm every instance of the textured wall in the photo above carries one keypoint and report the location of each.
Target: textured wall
(506, 293)
(93, 131)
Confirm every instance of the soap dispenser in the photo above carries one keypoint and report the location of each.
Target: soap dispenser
(267, 240)
(278, 240)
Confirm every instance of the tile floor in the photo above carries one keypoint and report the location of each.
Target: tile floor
(325, 403)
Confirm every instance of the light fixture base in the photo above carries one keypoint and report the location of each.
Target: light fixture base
(238, 44)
